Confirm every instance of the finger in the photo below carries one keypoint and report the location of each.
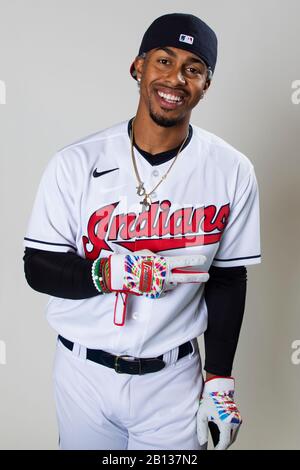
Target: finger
(186, 260)
(202, 430)
(189, 277)
(225, 437)
(203, 446)
(234, 434)
(188, 269)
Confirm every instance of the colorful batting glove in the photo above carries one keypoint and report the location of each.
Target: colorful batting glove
(218, 413)
(145, 273)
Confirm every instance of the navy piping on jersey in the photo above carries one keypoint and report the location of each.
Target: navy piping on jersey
(162, 157)
(234, 259)
(49, 243)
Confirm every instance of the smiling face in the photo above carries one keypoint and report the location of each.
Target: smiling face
(172, 82)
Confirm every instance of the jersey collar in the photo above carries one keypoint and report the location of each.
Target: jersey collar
(162, 157)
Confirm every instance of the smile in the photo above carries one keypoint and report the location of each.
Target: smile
(169, 101)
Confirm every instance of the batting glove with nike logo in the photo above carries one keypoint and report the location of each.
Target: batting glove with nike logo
(218, 413)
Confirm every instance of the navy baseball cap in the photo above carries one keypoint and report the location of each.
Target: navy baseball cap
(184, 31)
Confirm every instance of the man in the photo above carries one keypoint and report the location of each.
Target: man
(140, 234)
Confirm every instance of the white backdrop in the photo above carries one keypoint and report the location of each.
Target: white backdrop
(64, 74)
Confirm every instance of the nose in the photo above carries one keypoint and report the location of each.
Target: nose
(175, 76)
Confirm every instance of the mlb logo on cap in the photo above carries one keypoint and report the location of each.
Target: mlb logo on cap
(185, 38)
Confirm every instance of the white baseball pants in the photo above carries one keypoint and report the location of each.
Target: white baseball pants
(98, 408)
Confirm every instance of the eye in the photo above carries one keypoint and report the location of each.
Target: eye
(194, 70)
(159, 60)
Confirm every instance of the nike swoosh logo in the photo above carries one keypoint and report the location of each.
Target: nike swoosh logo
(100, 173)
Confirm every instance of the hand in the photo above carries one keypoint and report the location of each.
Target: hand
(218, 413)
(145, 273)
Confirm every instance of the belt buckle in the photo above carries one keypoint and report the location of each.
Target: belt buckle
(117, 365)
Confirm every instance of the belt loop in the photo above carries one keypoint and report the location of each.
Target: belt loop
(76, 349)
(82, 352)
(194, 346)
(174, 355)
(167, 357)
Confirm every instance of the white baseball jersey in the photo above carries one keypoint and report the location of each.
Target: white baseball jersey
(87, 203)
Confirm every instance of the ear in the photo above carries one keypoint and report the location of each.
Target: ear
(207, 85)
(139, 64)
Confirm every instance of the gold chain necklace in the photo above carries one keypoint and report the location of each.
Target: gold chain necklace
(141, 191)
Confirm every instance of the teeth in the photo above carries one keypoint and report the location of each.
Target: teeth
(169, 97)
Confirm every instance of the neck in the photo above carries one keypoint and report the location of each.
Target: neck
(153, 138)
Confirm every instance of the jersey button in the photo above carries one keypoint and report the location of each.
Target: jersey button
(155, 173)
(135, 316)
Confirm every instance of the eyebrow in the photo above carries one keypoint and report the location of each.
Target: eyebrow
(173, 54)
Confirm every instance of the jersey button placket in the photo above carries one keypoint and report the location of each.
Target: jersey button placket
(155, 176)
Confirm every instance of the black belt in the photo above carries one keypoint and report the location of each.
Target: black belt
(138, 366)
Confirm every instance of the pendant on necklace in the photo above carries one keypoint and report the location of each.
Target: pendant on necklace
(140, 189)
(146, 202)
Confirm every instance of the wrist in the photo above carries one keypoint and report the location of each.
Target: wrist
(210, 376)
(105, 275)
(218, 384)
(213, 381)
(98, 272)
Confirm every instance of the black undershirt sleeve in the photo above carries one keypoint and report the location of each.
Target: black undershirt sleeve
(64, 275)
(225, 297)
(67, 275)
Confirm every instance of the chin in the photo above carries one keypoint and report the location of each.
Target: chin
(165, 121)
